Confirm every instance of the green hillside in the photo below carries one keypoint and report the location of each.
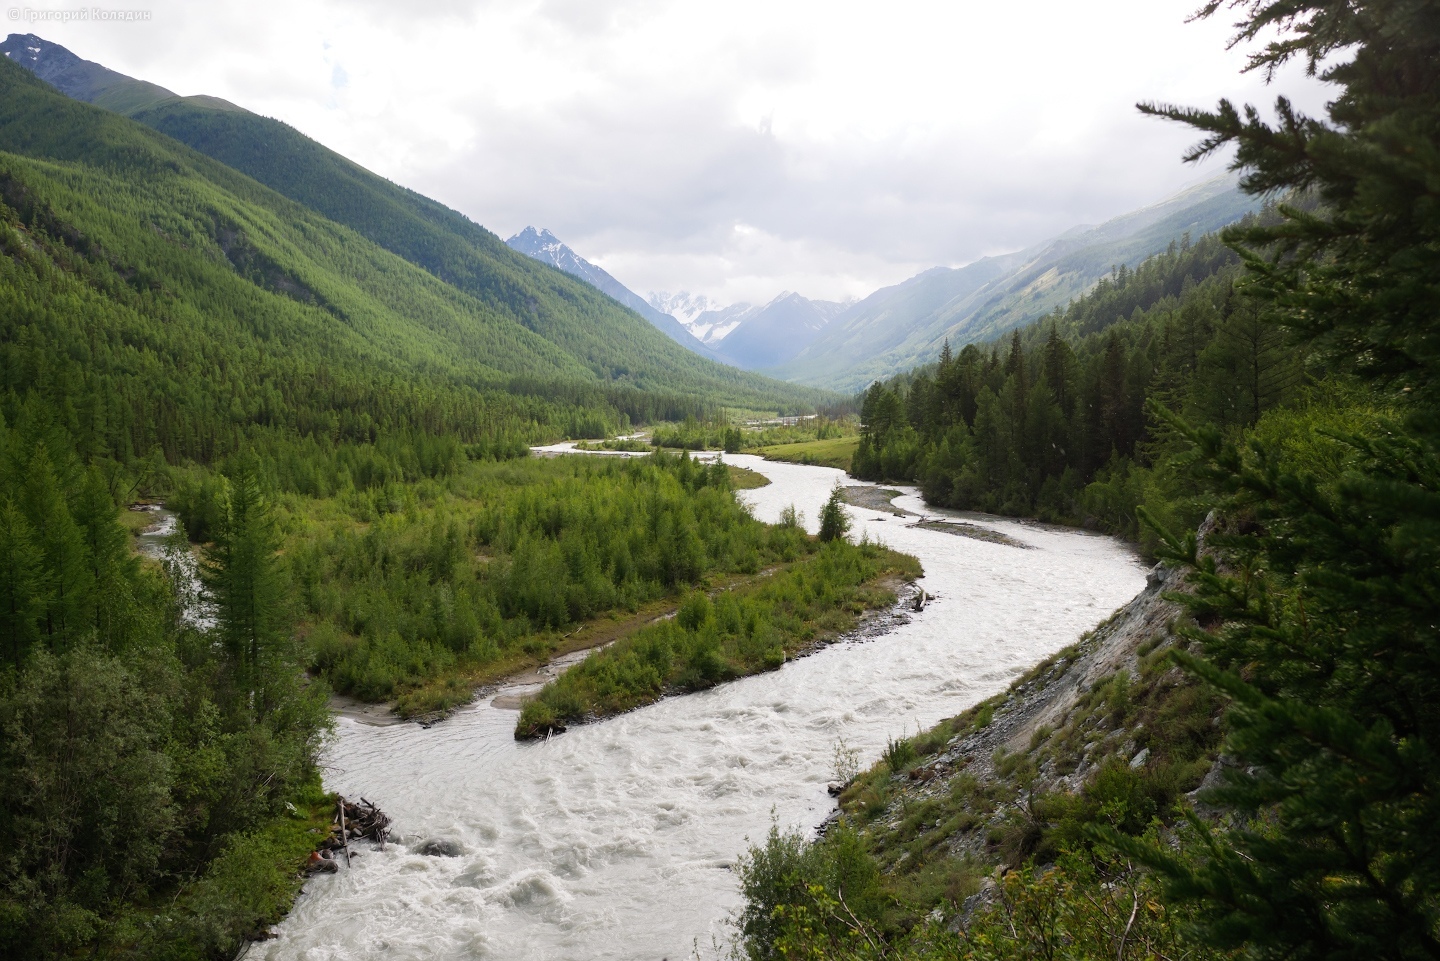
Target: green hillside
(210, 306)
(610, 341)
(613, 342)
(905, 325)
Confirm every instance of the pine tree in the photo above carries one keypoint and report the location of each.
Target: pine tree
(69, 583)
(1246, 369)
(1058, 365)
(1114, 405)
(111, 565)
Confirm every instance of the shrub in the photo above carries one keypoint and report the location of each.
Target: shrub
(899, 754)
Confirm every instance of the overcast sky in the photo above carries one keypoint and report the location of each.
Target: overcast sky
(734, 148)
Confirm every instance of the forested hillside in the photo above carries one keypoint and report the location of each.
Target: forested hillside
(901, 326)
(197, 306)
(612, 342)
(1241, 764)
(1066, 419)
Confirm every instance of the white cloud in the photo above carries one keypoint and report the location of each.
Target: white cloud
(736, 149)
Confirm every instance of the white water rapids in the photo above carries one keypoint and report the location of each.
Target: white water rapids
(615, 840)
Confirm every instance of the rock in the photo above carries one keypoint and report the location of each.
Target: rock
(1157, 575)
(972, 904)
(439, 848)
(834, 790)
(1214, 778)
(1138, 761)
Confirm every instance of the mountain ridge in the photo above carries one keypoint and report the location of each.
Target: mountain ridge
(542, 245)
(903, 325)
(748, 335)
(777, 331)
(614, 343)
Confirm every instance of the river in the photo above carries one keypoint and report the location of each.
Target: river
(616, 840)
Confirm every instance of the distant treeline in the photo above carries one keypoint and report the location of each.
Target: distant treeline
(1061, 420)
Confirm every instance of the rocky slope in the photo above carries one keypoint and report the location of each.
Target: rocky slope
(1108, 721)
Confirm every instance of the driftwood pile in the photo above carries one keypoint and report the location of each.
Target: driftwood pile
(353, 822)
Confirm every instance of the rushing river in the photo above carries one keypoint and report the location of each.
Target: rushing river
(616, 840)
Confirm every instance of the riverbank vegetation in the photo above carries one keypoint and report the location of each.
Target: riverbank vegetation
(1294, 392)
(157, 784)
(838, 453)
(819, 592)
(720, 433)
(1067, 420)
(485, 571)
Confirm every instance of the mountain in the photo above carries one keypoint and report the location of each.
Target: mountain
(683, 306)
(611, 343)
(775, 333)
(749, 336)
(545, 247)
(81, 79)
(715, 323)
(897, 327)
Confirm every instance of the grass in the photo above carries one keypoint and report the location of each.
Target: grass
(442, 694)
(835, 453)
(630, 445)
(742, 479)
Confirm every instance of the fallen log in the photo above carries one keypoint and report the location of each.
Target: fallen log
(362, 821)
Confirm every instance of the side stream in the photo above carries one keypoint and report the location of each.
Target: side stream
(616, 840)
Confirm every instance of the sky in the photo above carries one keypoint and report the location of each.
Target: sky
(737, 148)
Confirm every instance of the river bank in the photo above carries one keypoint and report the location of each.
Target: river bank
(615, 840)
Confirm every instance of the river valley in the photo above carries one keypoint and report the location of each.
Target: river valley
(616, 840)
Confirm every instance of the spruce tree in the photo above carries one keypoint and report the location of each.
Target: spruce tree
(834, 522)
(1323, 584)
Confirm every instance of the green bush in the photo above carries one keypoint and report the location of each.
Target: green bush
(899, 754)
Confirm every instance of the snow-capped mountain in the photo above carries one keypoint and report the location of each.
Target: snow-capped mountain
(714, 325)
(758, 337)
(747, 335)
(741, 334)
(545, 246)
(683, 305)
